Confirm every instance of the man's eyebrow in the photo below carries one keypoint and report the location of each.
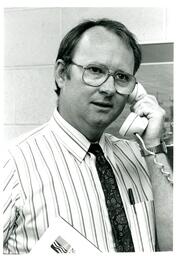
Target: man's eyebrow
(104, 65)
(97, 63)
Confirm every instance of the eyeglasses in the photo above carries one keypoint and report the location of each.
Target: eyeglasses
(97, 74)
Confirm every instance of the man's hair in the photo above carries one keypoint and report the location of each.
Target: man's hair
(72, 38)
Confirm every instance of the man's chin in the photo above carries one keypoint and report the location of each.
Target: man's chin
(101, 123)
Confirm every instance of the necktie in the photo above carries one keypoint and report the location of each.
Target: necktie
(120, 228)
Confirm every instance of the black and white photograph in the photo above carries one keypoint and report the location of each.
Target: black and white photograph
(88, 128)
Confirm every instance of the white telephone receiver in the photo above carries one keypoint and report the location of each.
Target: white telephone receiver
(134, 123)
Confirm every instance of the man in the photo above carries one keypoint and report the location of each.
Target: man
(53, 172)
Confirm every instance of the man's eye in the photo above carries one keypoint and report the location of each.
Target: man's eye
(123, 77)
(95, 70)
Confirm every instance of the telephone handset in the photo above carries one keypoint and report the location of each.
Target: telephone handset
(134, 123)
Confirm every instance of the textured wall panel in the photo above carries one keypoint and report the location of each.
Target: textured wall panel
(31, 36)
(31, 93)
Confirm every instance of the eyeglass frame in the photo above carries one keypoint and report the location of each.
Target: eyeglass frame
(108, 75)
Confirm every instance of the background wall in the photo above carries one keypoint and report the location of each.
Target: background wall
(32, 37)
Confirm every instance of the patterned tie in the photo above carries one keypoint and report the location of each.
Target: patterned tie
(120, 228)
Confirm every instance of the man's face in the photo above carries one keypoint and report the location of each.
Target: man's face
(91, 109)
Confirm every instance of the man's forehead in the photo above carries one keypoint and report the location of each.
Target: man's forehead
(97, 34)
(99, 42)
(97, 39)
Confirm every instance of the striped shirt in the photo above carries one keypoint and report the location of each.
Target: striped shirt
(49, 172)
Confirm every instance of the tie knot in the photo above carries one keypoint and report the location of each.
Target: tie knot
(95, 149)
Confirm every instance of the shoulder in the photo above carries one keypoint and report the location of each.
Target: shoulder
(26, 137)
(120, 143)
(127, 154)
(128, 150)
(11, 149)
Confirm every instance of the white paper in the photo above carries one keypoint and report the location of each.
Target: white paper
(61, 237)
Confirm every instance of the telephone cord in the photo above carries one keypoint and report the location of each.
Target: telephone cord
(160, 165)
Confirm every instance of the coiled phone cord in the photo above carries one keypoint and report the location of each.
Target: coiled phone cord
(160, 165)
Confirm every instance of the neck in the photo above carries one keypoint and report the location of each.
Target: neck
(94, 138)
(93, 134)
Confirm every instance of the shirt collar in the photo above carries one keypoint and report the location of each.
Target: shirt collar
(71, 138)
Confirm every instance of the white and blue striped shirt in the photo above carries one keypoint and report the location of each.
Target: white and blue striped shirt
(49, 173)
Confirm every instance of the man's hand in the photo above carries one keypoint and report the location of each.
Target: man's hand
(148, 106)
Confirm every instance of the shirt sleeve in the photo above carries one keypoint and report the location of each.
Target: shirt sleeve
(12, 198)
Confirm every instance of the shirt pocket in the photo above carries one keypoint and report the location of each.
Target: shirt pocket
(142, 225)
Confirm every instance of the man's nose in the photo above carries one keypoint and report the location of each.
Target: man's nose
(108, 86)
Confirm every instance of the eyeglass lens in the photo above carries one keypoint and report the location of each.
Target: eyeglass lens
(95, 75)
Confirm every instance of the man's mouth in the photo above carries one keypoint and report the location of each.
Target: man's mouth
(103, 104)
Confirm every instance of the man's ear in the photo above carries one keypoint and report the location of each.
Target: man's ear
(59, 72)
